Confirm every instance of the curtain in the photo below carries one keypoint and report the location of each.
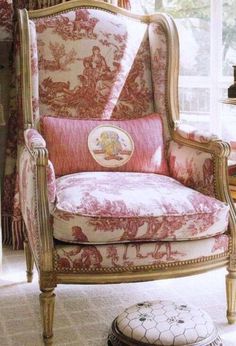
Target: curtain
(13, 227)
(125, 4)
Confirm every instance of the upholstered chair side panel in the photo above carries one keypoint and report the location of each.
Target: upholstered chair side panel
(192, 167)
(93, 64)
(28, 201)
(159, 61)
(34, 71)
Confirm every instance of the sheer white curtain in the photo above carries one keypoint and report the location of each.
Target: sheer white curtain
(207, 31)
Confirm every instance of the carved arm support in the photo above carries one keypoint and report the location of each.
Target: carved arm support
(200, 161)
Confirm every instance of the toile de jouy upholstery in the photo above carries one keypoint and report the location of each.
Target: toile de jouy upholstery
(113, 188)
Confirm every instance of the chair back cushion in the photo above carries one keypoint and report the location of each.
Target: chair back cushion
(76, 145)
(93, 64)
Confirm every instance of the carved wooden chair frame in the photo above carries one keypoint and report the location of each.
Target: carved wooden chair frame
(43, 254)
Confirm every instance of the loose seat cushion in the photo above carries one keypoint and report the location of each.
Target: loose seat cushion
(110, 207)
(163, 322)
(134, 145)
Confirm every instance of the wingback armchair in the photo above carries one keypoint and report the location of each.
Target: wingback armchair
(113, 188)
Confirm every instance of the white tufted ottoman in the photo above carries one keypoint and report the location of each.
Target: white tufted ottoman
(163, 323)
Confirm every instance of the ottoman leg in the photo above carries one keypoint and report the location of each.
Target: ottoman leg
(231, 296)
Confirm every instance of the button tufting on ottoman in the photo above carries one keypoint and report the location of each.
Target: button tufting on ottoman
(163, 323)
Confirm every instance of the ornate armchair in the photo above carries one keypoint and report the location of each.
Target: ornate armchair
(112, 187)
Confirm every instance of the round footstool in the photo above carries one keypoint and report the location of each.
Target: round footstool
(163, 323)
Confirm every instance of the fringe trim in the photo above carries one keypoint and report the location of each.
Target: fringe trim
(18, 234)
(125, 4)
(6, 230)
(13, 232)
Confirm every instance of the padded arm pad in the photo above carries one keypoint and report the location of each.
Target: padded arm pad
(192, 167)
(33, 139)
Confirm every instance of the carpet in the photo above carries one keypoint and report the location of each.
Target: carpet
(83, 313)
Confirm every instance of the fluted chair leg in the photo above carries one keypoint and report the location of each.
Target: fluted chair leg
(47, 302)
(231, 297)
(29, 261)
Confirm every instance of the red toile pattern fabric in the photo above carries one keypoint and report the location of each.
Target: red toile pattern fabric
(6, 24)
(118, 257)
(51, 184)
(159, 54)
(109, 78)
(93, 145)
(28, 199)
(105, 207)
(193, 168)
(33, 139)
(13, 226)
(115, 66)
(28, 196)
(34, 72)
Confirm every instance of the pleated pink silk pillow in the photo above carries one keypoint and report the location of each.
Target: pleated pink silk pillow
(77, 145)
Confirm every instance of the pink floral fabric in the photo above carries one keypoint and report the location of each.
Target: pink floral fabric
(192, 167)
(145, 133)
(108, 77)
(117, 257)
(189, 132)
(33, 139)
(125, 207)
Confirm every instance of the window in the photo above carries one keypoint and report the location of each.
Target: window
(207, 32)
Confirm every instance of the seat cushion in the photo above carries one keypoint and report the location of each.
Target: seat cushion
(114, 207)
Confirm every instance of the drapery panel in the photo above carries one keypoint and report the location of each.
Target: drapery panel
(12, 222)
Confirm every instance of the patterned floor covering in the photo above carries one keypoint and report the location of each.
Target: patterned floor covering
(84, 313)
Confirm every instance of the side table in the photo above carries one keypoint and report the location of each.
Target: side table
(232, 178)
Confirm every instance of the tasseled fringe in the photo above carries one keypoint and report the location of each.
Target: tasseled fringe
(6, 230)
(13, 232)
(125, 4)
(35, 5)
(18, 231)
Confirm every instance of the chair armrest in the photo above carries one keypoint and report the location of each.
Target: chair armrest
(33, 139)
(199, 161)
(36, 179)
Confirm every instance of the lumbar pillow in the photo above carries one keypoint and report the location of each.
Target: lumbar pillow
(77, 145)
